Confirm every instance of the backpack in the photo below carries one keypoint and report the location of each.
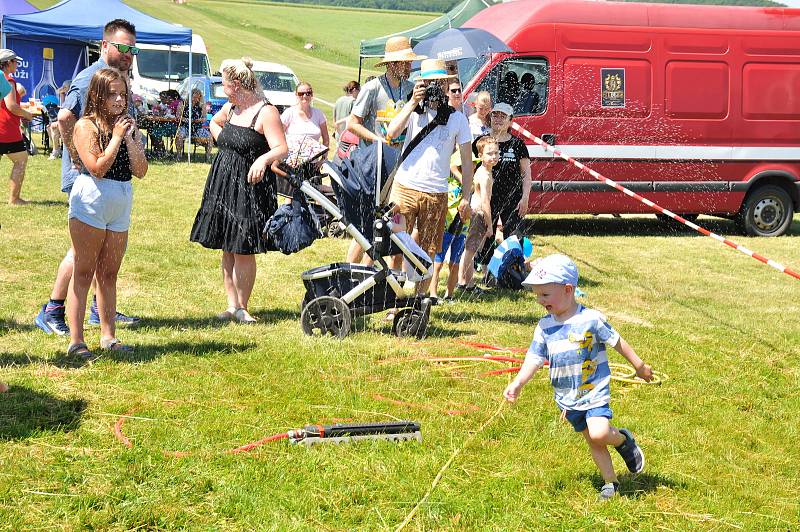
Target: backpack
(512, 270)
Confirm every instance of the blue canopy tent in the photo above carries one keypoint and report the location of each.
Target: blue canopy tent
(83, 20)
(69, 26)
(15, 7)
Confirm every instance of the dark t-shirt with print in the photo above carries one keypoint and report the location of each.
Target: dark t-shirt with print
(506, 174)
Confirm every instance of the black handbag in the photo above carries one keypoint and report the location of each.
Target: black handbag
(293, 227)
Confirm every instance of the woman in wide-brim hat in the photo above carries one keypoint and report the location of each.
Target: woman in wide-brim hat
(434, 69)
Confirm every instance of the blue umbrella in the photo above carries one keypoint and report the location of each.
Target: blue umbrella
(461, 43)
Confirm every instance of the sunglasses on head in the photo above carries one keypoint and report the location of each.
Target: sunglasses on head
(307, 93)
(455, 91)
(125, 48)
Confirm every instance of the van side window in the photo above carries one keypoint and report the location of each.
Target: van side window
(520, 82)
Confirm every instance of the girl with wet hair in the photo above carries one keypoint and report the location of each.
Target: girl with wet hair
(239, 195)
(479, 123)
(108, 143)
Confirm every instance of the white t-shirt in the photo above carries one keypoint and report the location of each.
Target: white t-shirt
(427, 167)
(477, 127)
(294, 125)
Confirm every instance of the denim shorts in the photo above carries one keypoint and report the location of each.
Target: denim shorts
(101, 203)
(577, 418)
(455, 243)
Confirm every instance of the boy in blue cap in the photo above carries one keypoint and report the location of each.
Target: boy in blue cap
(573, 339)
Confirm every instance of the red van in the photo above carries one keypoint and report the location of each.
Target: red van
(695, 107)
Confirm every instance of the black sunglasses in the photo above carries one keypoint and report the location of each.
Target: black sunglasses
(125, 48)
(455, 91)
(309, 93)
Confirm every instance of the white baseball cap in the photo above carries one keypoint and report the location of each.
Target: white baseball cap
(502, 107)
(7, 55)
(555, 268)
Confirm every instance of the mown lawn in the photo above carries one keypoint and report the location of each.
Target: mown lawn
(720, 434)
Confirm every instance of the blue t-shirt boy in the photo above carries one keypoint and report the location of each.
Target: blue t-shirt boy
(572, 340)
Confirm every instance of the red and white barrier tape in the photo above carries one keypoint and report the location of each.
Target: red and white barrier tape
(769, 262)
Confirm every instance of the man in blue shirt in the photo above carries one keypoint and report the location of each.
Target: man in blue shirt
(116, 50)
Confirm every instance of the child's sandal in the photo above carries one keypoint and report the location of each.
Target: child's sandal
(113, 344)
(80, 350)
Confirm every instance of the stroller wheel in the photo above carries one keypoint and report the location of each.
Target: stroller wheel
(334, 230)
(326, 315)
(412, 322)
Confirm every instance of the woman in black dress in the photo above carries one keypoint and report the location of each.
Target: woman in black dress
(240, 196)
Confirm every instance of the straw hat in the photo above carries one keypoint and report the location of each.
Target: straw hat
(399, 49)
(434, 69)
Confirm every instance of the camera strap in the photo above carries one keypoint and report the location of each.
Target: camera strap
(441, 118)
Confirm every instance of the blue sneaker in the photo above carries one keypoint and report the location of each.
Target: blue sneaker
(52, 322)
(121, 319)
(631, 452)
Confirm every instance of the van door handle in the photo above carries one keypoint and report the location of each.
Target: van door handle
(549, 138)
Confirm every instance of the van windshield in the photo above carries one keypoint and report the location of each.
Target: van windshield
(276, 81)
(163, 64)
(520, 82)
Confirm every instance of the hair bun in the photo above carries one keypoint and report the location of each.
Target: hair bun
(248, 62)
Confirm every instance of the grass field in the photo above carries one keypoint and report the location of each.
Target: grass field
(720, 435)
(277, 32)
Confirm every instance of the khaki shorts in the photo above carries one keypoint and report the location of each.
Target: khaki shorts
(477, 232)
(425, 209)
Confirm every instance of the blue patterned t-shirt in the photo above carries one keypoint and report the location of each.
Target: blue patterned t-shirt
(576, 352)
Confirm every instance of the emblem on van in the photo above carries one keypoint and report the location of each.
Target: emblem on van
(612, 87)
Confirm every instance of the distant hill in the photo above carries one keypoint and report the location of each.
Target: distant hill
(441, 6)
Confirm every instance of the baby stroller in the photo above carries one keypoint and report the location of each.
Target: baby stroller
(336, 293)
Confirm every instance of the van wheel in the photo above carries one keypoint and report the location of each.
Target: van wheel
(767, 211)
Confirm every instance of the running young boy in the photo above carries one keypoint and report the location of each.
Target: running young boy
(573, 339)
(481, 222)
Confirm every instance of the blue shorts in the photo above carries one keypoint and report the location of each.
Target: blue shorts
(577, 418)
(455, 243)
(101, 203)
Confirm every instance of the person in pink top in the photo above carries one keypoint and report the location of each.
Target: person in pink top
(302, 120)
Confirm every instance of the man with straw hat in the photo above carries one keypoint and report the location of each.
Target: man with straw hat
(379, 101)
(421, 182)
(383, 97)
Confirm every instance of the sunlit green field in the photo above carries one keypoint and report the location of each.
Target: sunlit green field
(719, 435)
(278, 32)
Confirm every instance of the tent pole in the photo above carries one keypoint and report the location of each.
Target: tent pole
(189, 123)
(169, 67)
(3, 40)
(360, 60)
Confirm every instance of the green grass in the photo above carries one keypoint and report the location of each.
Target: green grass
(278, 32)
(720, 434)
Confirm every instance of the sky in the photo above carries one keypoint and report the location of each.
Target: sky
(790, 3)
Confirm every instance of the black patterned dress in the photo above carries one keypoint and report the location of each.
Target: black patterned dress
(233, 212)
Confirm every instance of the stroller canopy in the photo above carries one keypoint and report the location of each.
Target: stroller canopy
(359, 178)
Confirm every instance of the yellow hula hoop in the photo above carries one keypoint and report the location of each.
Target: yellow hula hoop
(625, 373)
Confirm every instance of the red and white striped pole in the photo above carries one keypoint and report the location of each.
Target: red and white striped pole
(769, 262)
